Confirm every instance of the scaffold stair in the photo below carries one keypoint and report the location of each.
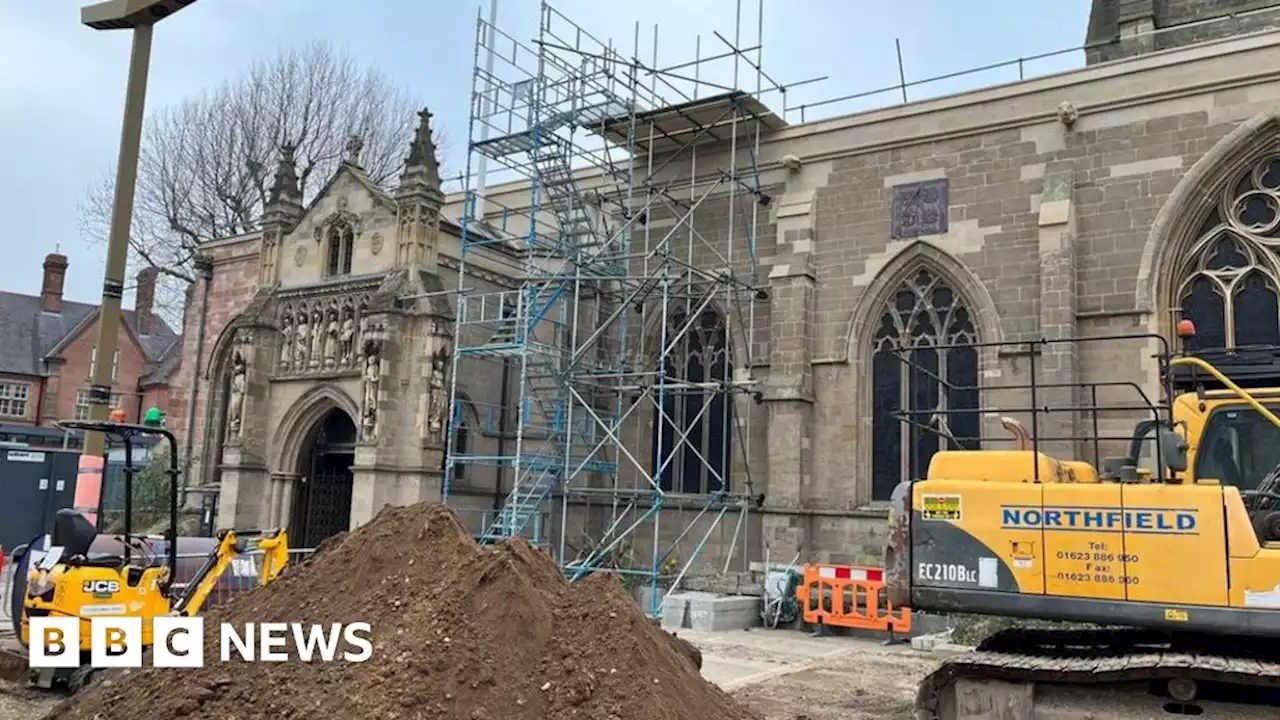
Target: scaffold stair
(555, 176)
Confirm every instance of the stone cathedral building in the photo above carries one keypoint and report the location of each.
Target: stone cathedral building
(326, 390)
(1110, 199)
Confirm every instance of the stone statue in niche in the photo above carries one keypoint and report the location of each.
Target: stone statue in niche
(301, 341)
(317, 337)
(331, 338)
(239, 388)
(372, 376)
(286, 340)
(440, 351)
(361, 335)
(347, 338)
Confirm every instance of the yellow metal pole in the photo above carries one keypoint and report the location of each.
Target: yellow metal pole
(92, 458)
(1241, 392)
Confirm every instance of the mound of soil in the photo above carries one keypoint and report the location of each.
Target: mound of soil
(458, 630)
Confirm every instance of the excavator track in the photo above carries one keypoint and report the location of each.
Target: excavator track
(1128, 674)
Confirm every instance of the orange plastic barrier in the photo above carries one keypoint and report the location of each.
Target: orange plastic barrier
(88, 496)
(849, 596)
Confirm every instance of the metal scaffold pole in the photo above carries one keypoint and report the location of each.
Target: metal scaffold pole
(628, 298)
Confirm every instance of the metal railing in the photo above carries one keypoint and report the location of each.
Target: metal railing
(478, 522)
(1239, 23)
(242, 575)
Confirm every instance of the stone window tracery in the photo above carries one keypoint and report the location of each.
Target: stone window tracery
(341, 249)
(923, 313)
(1230, 287)
(700, 463)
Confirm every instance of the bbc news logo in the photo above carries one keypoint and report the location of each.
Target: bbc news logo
(179, 642)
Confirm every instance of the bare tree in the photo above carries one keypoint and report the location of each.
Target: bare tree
(207, 164)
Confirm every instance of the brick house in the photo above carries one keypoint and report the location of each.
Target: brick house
(50, 351)
(1102, 200)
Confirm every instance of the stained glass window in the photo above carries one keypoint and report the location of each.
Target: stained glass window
(1229, 286)
(910, 372)
(696, 462)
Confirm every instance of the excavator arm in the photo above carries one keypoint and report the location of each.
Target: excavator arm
(273, 544)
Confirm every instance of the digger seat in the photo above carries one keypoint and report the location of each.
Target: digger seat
(75, 534)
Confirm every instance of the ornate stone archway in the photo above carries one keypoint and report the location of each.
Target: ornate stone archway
(305, 431)
(317, 505)
(292, 435)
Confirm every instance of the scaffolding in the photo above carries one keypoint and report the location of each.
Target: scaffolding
(616, 158)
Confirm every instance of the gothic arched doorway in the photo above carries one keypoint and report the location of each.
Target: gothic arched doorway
(322, 504)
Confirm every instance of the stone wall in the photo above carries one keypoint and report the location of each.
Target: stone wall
(1121, 29)
(234, 280)
(1178, 12)
(1057, 222)
(1059, 202)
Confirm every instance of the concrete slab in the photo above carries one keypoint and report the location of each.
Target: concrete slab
(729, 672)
(737, 658)
(708, 611)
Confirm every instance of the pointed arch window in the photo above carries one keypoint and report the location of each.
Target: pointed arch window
(692, 436)
(912, 371)
(1230, 286)
(342, 244)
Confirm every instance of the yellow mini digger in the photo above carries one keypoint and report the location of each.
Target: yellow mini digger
(85, 574)
(1161, 568)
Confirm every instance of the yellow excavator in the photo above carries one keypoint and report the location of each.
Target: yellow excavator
(1161, 568)
(85, 574)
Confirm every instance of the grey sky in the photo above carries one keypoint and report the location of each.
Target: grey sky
(62, 85)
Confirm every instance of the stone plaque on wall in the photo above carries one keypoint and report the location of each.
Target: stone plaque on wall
(919, 209)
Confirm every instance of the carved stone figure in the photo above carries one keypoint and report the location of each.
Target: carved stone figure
(1068, 114)
(286, 341)
(353, 146)
(347, 336)
(331, 338)
(317, 337)
(372, 375)
(362, 336)
(301, 342)
(432, 340)
(239, 388)
(441, 352)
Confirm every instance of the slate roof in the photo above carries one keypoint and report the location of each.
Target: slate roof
(28, 335)
(169, 362)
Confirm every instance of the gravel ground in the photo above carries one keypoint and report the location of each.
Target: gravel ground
(18, 703)
(790, 676)
(863, 683)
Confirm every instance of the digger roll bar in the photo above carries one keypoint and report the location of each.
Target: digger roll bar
(127, 432)
(1158, 411)
(1088, 403)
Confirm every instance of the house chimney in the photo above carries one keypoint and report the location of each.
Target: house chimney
(145, 299)
(55, 273)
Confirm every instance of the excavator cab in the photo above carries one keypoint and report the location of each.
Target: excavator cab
(1169, 547)
(85, 573)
